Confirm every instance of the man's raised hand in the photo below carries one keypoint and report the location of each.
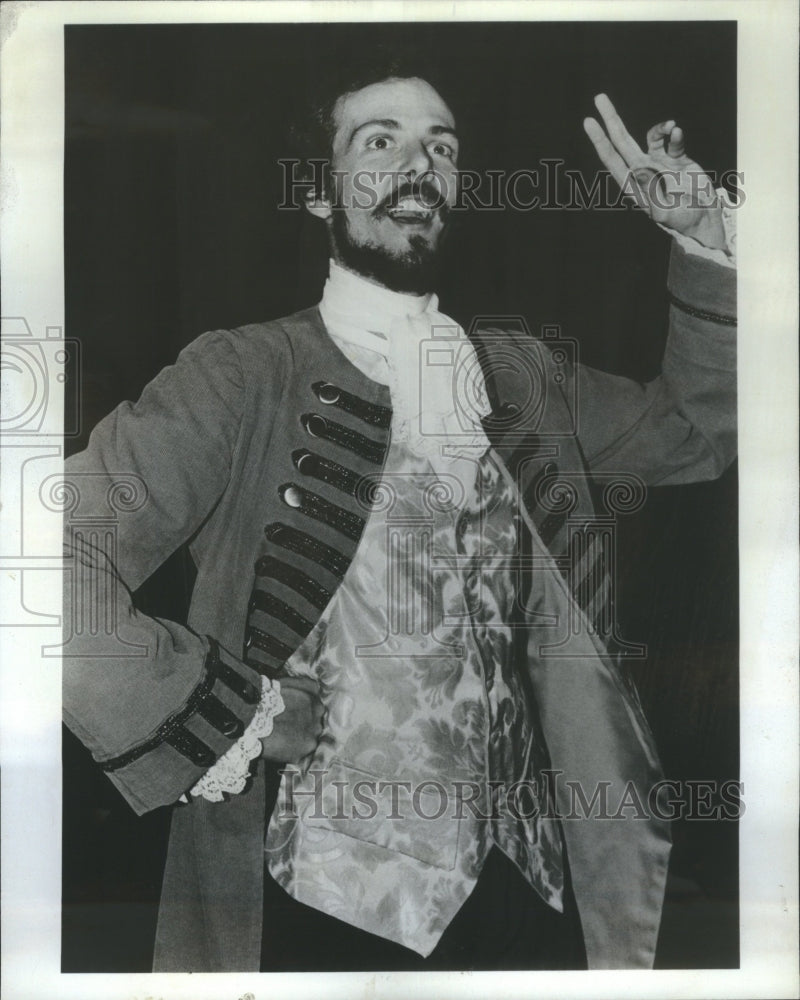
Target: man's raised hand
(672, 189)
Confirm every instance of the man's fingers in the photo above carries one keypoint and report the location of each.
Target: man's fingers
(658, 135)
(617, 132)
(617, 167)
(675, 145)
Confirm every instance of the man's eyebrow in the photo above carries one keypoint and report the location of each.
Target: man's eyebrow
(383, 122)
(443, 130)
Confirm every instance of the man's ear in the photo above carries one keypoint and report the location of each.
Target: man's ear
(318, 204)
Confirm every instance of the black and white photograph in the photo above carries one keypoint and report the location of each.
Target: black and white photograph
(381, 503)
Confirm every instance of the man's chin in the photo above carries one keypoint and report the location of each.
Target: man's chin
(412, 272)
(401, 254)
(410, 265)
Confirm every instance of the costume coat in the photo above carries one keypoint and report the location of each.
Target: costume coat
(206, 456)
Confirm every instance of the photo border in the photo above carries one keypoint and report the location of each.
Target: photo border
(30, 738)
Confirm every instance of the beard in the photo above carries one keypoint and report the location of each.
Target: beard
(413, 270)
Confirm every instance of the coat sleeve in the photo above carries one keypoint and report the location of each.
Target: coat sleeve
(681, 427)
(155, 703)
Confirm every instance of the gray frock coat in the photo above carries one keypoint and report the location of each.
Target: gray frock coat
(205, 457)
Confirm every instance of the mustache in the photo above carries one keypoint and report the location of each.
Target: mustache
(422, 190)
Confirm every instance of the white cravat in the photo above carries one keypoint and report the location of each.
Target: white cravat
(435, 380)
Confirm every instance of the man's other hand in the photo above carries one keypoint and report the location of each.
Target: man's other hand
(672, 189)
(298, 728)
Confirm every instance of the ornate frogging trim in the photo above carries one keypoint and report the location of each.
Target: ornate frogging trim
(172, 731)
(320, 509)
(266, 643)
(217, 714)
(326, 471)
(321, 427)
(295, 579)
(190, 746)
(294, 540)
(371, 413)
(269, 604)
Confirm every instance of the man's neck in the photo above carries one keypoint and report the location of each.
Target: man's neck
(357, 294)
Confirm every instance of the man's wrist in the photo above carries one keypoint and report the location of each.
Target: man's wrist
(723, 254)
(710, 231)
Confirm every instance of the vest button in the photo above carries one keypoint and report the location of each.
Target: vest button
(292, 496)
(315, 424)
(328, 394)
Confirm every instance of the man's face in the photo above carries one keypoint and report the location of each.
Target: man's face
(394, 181)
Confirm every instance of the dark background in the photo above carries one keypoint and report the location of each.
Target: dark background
(172, 184)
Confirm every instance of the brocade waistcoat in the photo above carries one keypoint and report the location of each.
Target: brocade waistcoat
(428, 722)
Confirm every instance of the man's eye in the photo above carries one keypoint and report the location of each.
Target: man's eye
(443, 149)
(379, 142)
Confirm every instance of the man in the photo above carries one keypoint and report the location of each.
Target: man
(423, 570)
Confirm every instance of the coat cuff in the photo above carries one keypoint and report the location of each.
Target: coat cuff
(229, 776)
(157, 770)
(702, 288)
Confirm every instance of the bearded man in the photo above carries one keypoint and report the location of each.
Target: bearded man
(401, 658)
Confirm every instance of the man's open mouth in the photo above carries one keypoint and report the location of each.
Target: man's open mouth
(409, 210)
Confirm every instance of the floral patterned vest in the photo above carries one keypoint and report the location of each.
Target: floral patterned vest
(432, 750)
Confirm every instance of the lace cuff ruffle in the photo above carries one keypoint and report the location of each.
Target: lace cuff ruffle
(229, 774)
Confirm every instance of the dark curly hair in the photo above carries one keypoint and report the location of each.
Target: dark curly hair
(346, 72)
